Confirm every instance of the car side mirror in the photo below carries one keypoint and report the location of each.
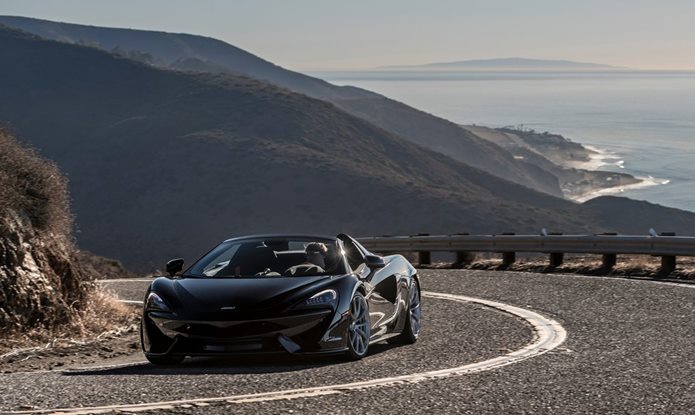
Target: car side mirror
(174, 266)
(374, 261)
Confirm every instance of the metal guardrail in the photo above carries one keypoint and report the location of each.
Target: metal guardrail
(608, 245)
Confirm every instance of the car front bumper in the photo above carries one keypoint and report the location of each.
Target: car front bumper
(311, 331)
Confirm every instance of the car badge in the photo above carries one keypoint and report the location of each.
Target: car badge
(230, 308)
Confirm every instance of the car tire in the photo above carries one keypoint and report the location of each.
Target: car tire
(411, 330)
(359, 330)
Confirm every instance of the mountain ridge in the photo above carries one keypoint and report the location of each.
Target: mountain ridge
(212, 55)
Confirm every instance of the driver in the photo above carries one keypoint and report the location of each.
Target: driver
(315, 261)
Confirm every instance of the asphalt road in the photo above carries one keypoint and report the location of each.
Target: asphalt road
(629, 349)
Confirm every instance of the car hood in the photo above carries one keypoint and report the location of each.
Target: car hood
(227, 296)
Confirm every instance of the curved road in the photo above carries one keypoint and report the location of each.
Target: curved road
(630, 349)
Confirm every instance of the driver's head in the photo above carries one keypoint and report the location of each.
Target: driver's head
(315, 253)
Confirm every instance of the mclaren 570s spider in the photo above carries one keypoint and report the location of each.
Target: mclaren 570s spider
(281, 294)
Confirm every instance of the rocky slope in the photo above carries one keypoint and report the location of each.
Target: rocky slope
(40, 285)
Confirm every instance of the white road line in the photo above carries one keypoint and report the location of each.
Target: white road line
(548, 334)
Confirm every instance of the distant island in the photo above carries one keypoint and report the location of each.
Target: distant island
(508, 64)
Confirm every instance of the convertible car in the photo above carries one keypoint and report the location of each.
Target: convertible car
(281, 294)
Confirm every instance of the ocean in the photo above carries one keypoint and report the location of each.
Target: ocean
(643, 122)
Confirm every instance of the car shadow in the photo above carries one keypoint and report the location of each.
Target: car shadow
(246, 364)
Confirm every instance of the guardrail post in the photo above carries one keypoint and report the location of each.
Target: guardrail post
(463, 257)
(556, 259)
(608, 261)
(424, 257)
(508, 258)
(668, 262)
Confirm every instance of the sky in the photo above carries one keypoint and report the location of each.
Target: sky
(313, 35)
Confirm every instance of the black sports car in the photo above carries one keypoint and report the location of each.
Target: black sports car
(280, 293)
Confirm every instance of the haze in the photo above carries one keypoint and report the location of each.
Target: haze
(320, 35)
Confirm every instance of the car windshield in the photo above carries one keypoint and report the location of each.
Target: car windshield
(273, 257)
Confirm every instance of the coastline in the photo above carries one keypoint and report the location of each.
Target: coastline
(599, 158)
(643, 183)
(580, 168)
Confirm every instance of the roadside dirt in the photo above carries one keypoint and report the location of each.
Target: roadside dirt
(628, 266)
(71, 354)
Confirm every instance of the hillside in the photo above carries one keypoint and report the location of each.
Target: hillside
(163, 163)
(190, 52)
(636, 217)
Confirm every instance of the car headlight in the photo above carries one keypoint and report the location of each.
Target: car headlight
(155, 303)
(323, 298)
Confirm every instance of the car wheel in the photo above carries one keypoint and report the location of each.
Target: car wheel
(411, 330)
(359, 330)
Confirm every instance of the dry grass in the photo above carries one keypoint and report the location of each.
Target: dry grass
(103, 317)
(47, 298)
(33, 185)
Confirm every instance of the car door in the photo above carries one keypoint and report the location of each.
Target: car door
(382, 283)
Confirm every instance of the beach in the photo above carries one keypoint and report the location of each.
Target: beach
(602, 158)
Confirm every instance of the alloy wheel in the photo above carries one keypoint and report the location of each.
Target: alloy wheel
(415, 312)
(359, 331)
